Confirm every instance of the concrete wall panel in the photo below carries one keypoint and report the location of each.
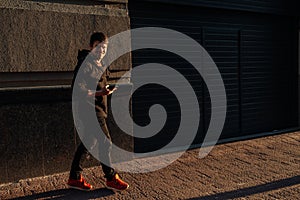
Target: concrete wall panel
(37, 135)
(48, 38)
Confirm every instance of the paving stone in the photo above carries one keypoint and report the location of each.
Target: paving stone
(264, 168)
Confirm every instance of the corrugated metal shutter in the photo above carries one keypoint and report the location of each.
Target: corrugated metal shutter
(253, 54)
(269, 101)
(223, 46)
(290, 7)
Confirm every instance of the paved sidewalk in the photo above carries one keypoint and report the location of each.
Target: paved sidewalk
(264, 168)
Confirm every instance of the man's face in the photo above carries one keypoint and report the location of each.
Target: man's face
(99, 49)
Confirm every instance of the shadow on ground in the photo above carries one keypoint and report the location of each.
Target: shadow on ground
(252, 190)
(69, 194)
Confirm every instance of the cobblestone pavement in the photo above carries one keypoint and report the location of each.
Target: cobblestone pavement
(263, 168)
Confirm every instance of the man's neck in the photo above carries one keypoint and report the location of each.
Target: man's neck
(99, 62)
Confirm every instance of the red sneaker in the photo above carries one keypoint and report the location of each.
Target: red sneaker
(80, 184)
(117, 184)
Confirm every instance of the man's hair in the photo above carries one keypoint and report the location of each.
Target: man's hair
(97, 36)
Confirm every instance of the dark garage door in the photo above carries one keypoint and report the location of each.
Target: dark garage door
(254, 54)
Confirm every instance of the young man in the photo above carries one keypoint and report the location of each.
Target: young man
(93, 74)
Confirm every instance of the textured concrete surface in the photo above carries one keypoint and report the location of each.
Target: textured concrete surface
(35, 141)
(38, 139)
(264, 168)
(44, 36)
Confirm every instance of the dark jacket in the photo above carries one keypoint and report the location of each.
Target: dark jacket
(91, 77)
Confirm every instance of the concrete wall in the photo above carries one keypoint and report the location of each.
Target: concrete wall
(38, 36)
(36, 127)
(299, 73)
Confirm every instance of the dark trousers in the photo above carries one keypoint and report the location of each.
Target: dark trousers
(82, 152)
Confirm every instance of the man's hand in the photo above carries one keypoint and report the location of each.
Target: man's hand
(104, 91)
(90, 93)
(110, 88)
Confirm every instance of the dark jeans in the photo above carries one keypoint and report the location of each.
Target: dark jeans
(82, 152)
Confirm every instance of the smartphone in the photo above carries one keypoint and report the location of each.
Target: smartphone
(111, 86)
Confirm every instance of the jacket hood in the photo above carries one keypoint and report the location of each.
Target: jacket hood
(82, 54)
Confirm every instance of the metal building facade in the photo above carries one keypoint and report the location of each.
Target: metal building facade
(255, 47)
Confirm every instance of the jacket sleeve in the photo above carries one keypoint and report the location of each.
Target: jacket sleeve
(82, 80)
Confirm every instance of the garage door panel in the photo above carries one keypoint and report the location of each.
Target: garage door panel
(252, 53)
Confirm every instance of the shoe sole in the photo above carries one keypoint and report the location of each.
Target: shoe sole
(78, 188)
(115, 189)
